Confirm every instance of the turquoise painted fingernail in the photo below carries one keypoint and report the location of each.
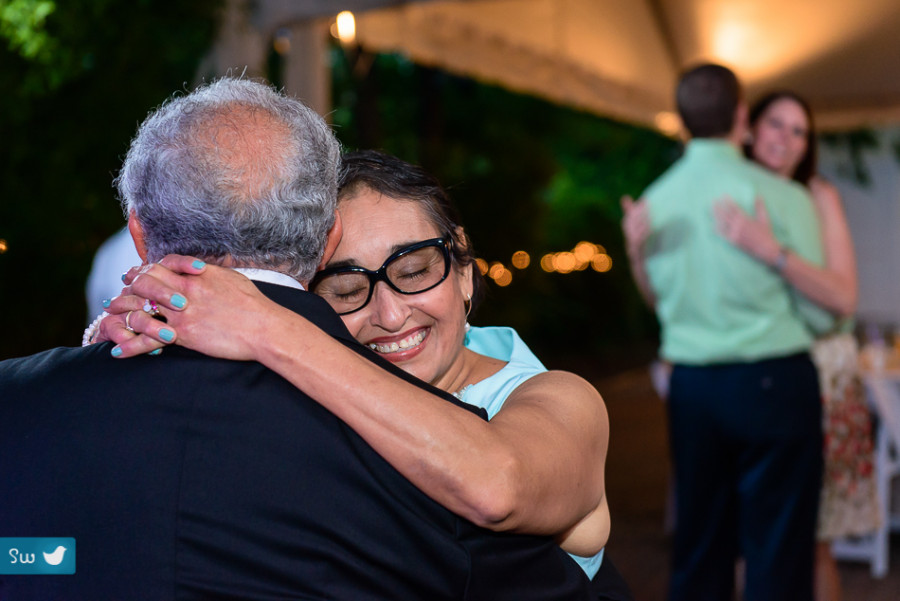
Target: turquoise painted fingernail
(116, 352)
(198, 264)
(156, 352)
(166, 334)
(123, 276)
(179, 301)
(106, 302)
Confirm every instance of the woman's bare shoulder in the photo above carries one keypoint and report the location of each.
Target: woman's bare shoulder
(558, 385)
(823, 191)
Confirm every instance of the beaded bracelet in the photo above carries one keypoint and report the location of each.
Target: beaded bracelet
(89, 332)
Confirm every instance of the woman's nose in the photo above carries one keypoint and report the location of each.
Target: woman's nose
(389, 308)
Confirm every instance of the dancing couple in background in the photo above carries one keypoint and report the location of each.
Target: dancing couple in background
(783, 141)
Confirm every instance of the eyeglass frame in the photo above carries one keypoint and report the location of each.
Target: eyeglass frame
(445, 243)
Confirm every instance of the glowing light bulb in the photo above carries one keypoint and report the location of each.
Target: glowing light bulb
(346, 27)
(668, 123)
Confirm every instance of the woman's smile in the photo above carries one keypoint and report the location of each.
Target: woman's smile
(401, 347)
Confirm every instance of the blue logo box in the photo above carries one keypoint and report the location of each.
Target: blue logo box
(37, 555)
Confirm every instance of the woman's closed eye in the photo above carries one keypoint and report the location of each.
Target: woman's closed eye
(348, 295)
(416, 268)
(413, 275)
(344, 288)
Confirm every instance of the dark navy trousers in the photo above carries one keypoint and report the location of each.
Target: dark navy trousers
(747, 449)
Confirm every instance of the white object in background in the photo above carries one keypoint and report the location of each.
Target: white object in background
(114, 257)
(884, 396)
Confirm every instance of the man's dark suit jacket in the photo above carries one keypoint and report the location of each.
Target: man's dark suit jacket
(187, 477)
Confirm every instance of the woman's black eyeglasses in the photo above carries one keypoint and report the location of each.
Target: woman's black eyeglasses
(411, 270)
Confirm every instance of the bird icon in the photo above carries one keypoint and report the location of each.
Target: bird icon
(55, 558)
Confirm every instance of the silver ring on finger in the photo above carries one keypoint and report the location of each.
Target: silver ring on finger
(128, 322)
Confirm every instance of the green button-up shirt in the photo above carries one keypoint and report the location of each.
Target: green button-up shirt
(715, 303)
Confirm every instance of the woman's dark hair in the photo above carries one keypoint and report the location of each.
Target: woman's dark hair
(806, 168)
(395, 178)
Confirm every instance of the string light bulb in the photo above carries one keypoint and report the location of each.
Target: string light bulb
(345, 27)
(583, 256)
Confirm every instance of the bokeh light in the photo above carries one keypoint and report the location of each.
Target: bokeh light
(585, 251)
(345, 27)
(521, 259)
(601, 263)
(583, 256)
(3, 246)
(282, 41)
(547, 263)
(504, 278)
(668, 123)
(565, 262)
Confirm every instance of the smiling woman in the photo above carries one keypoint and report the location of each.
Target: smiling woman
(783, 138)
(421, 332)
(784, 141)
(403, 279)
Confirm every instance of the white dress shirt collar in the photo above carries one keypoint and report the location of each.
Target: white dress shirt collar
(269, 276)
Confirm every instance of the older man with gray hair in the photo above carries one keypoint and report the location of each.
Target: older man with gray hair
(185, 476)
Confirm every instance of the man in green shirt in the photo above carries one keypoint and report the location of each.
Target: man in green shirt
(745, 413)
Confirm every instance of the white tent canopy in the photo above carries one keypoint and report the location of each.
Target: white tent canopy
(621, 58)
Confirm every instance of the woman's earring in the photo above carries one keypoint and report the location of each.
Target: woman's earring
(468, 305)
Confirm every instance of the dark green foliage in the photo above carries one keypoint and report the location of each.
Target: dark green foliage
(853, 144)
(69, 107)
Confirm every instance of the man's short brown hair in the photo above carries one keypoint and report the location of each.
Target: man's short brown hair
(707, 97)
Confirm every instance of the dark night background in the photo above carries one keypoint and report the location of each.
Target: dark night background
(526, 174)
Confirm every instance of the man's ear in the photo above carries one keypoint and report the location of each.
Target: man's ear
(137, 234)
(333, 238)
(741, 126)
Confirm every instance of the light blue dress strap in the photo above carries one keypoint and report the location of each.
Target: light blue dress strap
(492, 392)
(504, 344)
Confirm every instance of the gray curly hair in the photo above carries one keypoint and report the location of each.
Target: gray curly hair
(235, 170)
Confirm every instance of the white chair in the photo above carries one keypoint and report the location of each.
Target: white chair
(884, 397)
